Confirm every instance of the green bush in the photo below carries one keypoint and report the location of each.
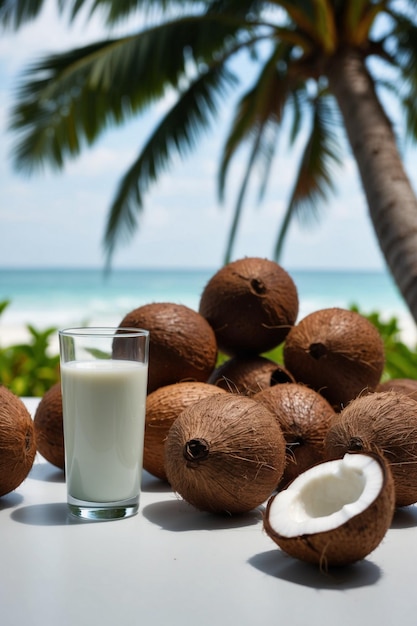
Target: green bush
(29, 369)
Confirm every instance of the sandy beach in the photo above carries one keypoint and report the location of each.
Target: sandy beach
(14, 334)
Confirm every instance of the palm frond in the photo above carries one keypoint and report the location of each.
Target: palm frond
(15, 14)
(177, 133)
(314, 179)
(240, 199)
(72, 97)
(260, 106)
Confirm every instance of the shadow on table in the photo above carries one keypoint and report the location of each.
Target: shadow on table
(51, 514)
(152, 484)
(278, 564)
(179, 516)
(10, 500)
(405, 517)
(47, 472)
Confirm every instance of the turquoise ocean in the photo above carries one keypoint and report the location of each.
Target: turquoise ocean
(57, 298)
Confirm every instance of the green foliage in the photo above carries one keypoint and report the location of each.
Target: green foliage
(400, 359)
(29, 369)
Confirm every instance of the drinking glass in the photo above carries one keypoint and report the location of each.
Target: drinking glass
(104, 374)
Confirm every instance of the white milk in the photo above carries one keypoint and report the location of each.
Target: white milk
(104, 415)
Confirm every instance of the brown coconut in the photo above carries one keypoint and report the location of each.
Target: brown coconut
(225, 454)
(336, 352)
(251, 304)
(305, 417)
(49, 428)
(407, 386)
(17, 441)
(386, 423)
(162, 408)
(335, 513)
(249, 374)
(182, 344)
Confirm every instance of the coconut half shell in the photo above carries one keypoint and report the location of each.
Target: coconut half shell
(335, 513)
(225, 454)
(385, 423)
(17, 441)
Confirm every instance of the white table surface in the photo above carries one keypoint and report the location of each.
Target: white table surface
(173, 565)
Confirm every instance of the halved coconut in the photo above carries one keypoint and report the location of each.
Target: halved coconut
(336, 512)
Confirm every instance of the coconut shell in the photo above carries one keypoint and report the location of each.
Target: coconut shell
(386, 423)
(251, 304)
(225, 454)
(407, 386)
(49, 428)
(337, 352)
(182, 344)
(249, 374)
(17, 441)
(305, 417)
(162, 408)
(349, 542)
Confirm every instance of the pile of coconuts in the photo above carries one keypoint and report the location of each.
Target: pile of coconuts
(230, 429)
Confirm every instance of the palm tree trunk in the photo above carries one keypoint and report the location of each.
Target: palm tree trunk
(391, 200)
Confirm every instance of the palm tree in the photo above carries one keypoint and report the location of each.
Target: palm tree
(321, 66)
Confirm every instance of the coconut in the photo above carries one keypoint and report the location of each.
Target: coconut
(249, 374)
(49, 428)
(336, 352)
(162, 408)
(384, 422)
(305, 417)
(335, 513)
(225, 454)
(182, 344)
(17, 441)
(251, 304)
(407, 386)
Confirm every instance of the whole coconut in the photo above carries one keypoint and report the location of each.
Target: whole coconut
(386, 423)
(17, 441)
(182, 344)
(407, 386)
(337, 352)
(49, 428)
(305, 417)
(225, 454)
(162, 408)
(249, 374)
(251, 304)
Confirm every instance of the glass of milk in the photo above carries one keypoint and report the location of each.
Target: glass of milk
(104, 373)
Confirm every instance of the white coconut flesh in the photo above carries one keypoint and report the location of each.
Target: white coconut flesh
(326, 496)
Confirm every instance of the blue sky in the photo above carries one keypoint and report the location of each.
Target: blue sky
(58, 219)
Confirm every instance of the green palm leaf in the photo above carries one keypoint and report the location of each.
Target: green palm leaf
(177, 133)
(260, 106)
(78, 94)
(314, 178)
